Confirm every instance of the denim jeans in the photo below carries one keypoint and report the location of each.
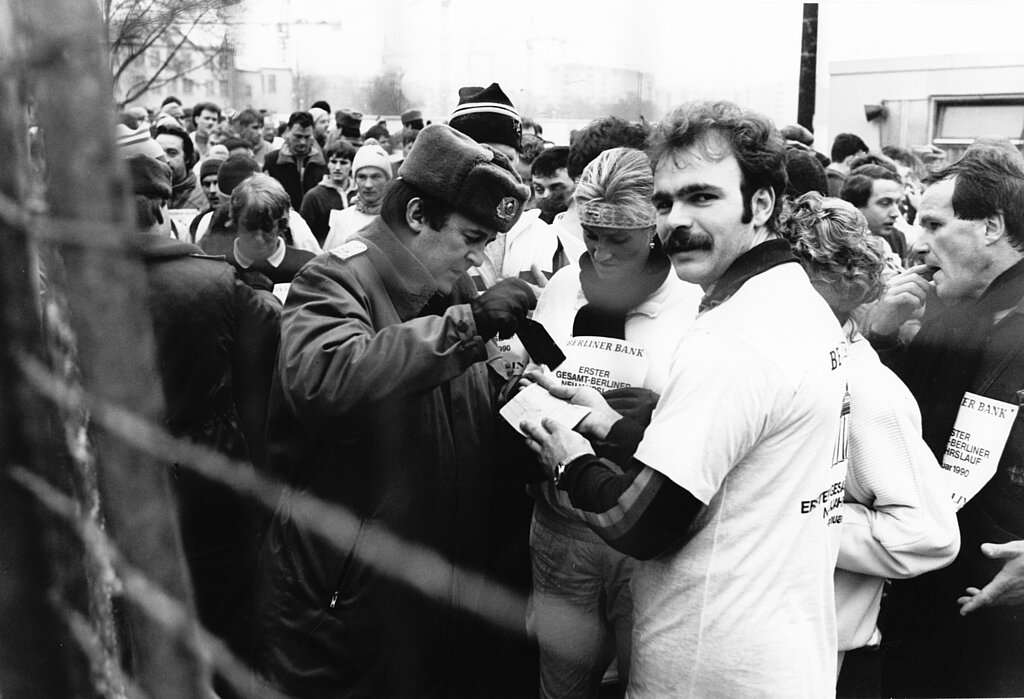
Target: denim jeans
(581, 611)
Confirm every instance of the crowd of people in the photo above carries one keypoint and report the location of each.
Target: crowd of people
(794, 466)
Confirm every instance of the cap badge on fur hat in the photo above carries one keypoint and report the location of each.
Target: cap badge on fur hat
(475, 180)
(507, 209)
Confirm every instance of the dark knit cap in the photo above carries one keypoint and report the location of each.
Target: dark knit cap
(805, 173)
(150, 177)
(486, 115)
(209, 167)
(349, 122)
(478, 182)
(234, 171)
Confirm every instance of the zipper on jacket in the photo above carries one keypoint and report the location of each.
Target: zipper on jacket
(334, 599)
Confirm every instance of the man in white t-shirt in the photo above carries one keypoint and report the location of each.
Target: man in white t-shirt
(732, 495)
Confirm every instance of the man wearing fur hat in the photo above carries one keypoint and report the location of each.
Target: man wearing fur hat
(383, 404)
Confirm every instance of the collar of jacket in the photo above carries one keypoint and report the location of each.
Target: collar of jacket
(753, 262)
(284, 155)
(152, 246)
(408, 282)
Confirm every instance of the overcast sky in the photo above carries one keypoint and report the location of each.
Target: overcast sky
(733, 47)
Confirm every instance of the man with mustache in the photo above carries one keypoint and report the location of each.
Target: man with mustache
(383, 403)
(732, 495)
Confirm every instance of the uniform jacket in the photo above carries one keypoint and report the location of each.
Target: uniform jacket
(216, 340)
(382, 404)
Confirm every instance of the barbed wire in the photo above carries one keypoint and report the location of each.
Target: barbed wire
(135, 586)
(420, 568)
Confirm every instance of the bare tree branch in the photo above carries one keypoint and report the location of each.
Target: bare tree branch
(135, 28)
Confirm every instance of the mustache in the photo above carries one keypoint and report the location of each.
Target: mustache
(685, 241)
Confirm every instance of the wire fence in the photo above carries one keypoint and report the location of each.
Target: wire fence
(97, 599)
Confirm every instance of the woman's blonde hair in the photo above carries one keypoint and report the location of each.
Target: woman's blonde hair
(831, 239)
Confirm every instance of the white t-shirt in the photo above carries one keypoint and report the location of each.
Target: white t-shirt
(654, 327)
(749, 423)
(343, 224)
(657, 324)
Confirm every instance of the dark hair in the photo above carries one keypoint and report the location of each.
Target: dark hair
(236, 142)
(186, 142)
(805, 173)
(857, 187)
(204, 107)
(601, 135)
(845, 145)
(322, 105)
(989, 180)
(246, 117)
(874, 159)
(720, 129)
(529, 123)
(550, 161)
(171, 98)
(396, 199)
(340, 148)
(303, 119)
(377, 131)
(129, 120)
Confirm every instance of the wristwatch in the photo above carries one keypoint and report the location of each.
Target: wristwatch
(562, 465)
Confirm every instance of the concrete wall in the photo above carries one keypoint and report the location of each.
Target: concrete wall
(908, 88)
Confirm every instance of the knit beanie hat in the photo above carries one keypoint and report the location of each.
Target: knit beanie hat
(137, 142)
(149, 177)
(209, 167)
(316, 113)
(486, 115)
(371, 156)
(234, 171)
(477, 181)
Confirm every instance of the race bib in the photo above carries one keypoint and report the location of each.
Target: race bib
(976, 444)
(514, 353)
(603, 363)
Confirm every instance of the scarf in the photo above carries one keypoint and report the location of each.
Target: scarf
(753, 262)
(368, 210)
(942, 360)
(604, 314)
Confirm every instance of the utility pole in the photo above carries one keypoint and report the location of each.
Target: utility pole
(808, 66)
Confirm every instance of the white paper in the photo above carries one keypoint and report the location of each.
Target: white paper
(603, 363)
(534, 403)
(976, 444)
(182, 219)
